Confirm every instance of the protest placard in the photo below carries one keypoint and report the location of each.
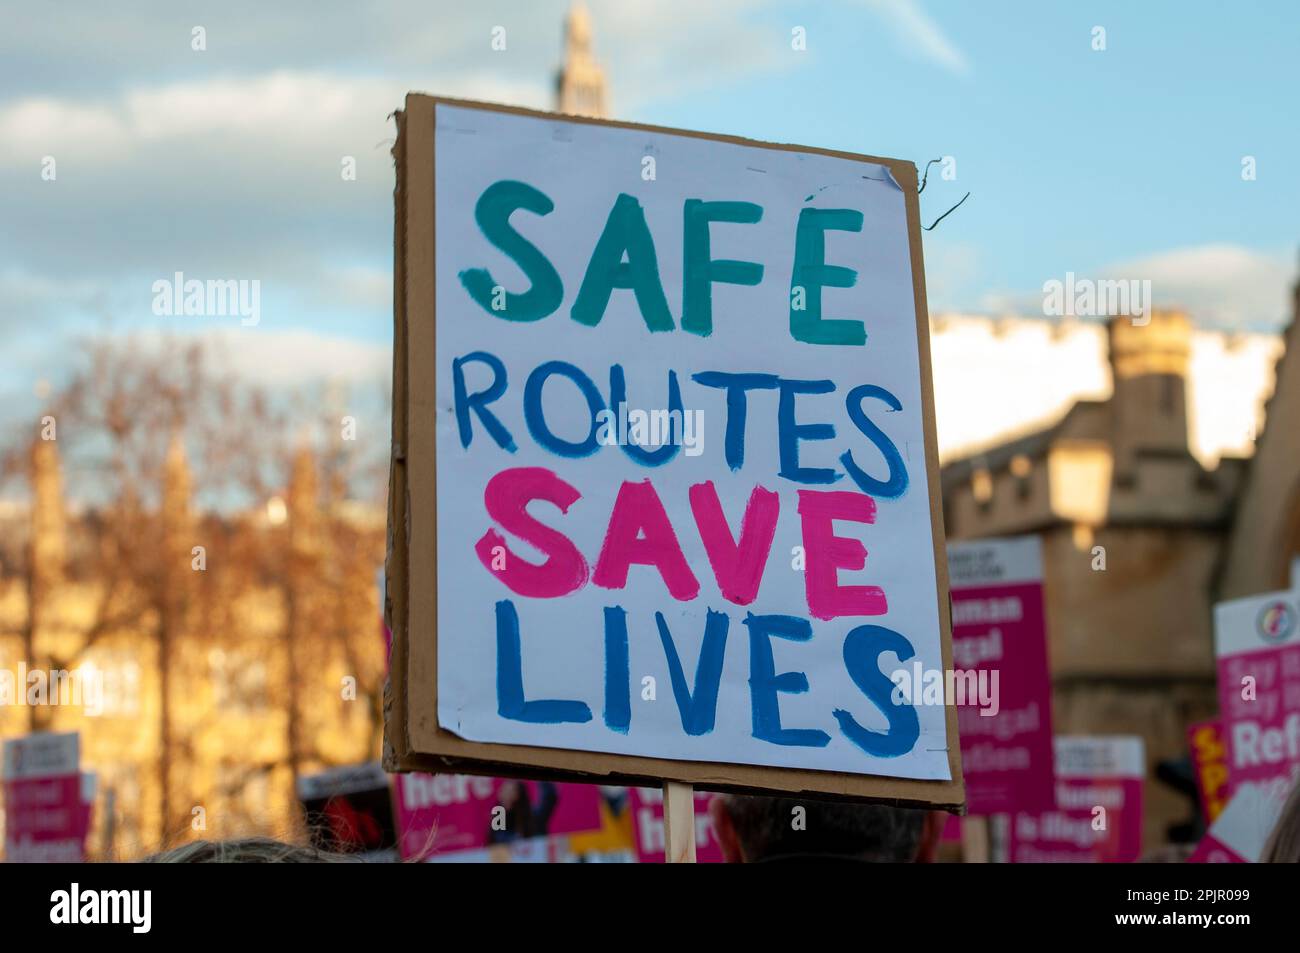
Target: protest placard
(648, 816)
(1098, 817)
(657, 395)
(1001, 684)
(1240, 832)
(441, 813)
(1258, 650)
(46, 815)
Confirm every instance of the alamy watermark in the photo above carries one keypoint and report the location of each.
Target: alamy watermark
(133, 908)
(651, 428)
(1098, 298)
(78, 688)
(223, 297)
(931, 686)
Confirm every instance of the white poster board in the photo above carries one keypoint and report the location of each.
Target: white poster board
(686, 503)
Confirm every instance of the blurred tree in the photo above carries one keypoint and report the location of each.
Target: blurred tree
(153, 437)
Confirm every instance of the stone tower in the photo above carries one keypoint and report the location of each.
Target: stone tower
(580, 82)
(1149, 365)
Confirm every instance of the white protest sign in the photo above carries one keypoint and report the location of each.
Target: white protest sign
(1257, 644)
(41, 755)
(685, 500)
(1240, 833)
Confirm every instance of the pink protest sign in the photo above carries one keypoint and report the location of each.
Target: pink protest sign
(46, 817)
(536, 850)
(1000, 683)
(951, 830)
(439, 813)
(1098, 818)
(1258, 649)
(1211, 850)
(648, 817)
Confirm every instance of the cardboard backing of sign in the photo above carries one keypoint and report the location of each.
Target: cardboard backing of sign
(413, 740)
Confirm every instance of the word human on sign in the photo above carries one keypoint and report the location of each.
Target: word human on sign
(610, 591)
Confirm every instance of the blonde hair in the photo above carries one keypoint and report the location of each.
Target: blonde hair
(247, 850)
(1283, 845)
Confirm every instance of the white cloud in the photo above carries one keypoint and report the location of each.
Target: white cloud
(227, 162)
(920, 34)
(280, 361)
(368, 290)
(38, 125)
(293, 358)
(301, 111)
(225, 176)
(650, 50)
(1220, 285)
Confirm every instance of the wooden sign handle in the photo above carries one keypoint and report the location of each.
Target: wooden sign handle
(679, 823)
(976, 844)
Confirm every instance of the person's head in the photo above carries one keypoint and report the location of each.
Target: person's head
(513, 796)
(245, 850)
(754, 829)
(1283, 846)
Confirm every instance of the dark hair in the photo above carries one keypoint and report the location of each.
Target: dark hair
(766, 828)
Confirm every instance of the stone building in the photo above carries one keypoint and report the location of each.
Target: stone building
(1140, 536)
(1265, 538)
(999, 378)
(220, 646)
(580, 81)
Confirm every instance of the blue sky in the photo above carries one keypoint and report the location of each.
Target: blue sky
(1077, 160)
(224, 162)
